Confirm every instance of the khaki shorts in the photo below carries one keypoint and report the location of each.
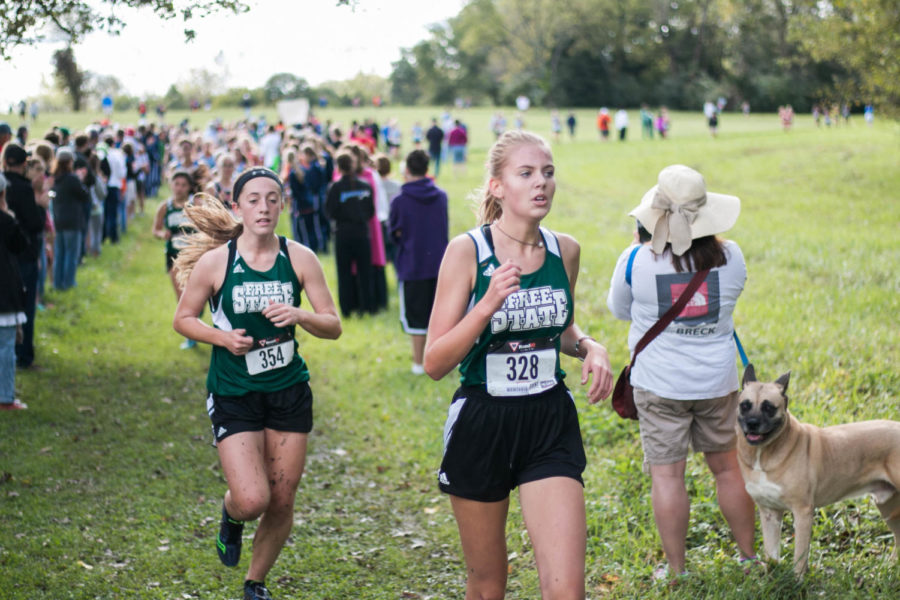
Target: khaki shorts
(668, 426)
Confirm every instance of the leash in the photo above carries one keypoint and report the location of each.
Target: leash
(740, 349)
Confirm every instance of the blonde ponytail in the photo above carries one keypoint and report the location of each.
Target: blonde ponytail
(216, 226)
(489, 206)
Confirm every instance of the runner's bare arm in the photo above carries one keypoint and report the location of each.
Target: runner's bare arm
(451, 330)
(596, 360)
(159, 226)
(205, 279)
(322, 321)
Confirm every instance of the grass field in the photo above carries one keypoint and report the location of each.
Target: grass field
(109, 487)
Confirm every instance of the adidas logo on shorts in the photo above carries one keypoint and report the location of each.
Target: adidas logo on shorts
(222, 431)
(442, 477)
(237, 269)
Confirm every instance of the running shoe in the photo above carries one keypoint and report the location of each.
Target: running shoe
(14, 405)
(256, 590)
(663, 575)
(228, 540)
(188, 344)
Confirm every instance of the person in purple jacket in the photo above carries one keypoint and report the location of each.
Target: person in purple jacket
(419, 225)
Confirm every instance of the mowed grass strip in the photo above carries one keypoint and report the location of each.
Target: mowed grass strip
(111, 489)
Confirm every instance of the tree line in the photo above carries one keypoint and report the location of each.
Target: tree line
(677, 53)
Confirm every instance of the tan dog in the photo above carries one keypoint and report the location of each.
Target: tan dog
(789, 465)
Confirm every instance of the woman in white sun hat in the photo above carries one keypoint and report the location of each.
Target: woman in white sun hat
(685, 381)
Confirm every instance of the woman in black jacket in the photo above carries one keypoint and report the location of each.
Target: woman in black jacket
(69, 198)
(13, 244)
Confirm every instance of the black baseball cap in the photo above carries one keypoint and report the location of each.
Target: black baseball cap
(14, 154)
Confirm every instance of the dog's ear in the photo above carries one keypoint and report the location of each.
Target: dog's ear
(783, 382)
(749, 376)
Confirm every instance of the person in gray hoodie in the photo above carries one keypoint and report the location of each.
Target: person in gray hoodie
(419, 226)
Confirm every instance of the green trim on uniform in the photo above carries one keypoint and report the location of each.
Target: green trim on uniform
(540, 310)
(238, 305)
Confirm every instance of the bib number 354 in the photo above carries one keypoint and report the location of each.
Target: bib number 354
(269, 358)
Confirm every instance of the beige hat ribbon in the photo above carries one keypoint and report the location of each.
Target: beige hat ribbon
(675, 224)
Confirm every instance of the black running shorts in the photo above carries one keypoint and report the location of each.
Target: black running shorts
(289, 409)
(416, 300)
(492, 444)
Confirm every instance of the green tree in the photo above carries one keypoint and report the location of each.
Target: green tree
(404, 82)
(174, 99)
(863, 38)
(69, 77)
(285, 85)
(25, 22)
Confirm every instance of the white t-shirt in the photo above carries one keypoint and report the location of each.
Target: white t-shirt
(694, 357)
(118, 169)
(270, 146)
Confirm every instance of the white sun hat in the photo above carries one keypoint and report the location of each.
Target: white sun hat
(678, 209)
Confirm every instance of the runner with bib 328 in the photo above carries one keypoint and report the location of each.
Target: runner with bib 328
(503, 311)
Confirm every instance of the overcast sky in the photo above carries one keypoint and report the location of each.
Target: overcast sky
(314, 39)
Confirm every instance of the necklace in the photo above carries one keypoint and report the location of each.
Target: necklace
(524, 243)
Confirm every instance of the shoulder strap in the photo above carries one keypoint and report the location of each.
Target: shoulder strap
(630, 264)
(283, 246)
(232, 253)
(488, 236)
(216, 299)
(283, 243)
(551, 241)
(484, 244)
(670, 314)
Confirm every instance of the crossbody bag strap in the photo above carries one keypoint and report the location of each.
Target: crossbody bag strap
(670, 314)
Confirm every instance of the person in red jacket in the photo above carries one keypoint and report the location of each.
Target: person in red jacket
(603, 120)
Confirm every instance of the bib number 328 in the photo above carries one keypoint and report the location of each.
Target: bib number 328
(523, 367)
(269, 358)
(520, 368)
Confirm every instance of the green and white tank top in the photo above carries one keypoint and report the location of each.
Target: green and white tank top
(273, 362)
(178, 224)
(517, 354)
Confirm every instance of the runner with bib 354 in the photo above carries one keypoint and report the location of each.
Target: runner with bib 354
(259, 399)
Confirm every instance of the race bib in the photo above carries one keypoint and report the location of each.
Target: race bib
(521, 368)
(269, 358)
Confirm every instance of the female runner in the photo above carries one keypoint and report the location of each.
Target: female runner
(259, 400)
(503, 312)
(172, 224)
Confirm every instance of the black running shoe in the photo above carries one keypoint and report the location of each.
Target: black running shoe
(256, 590)
(228, 540)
